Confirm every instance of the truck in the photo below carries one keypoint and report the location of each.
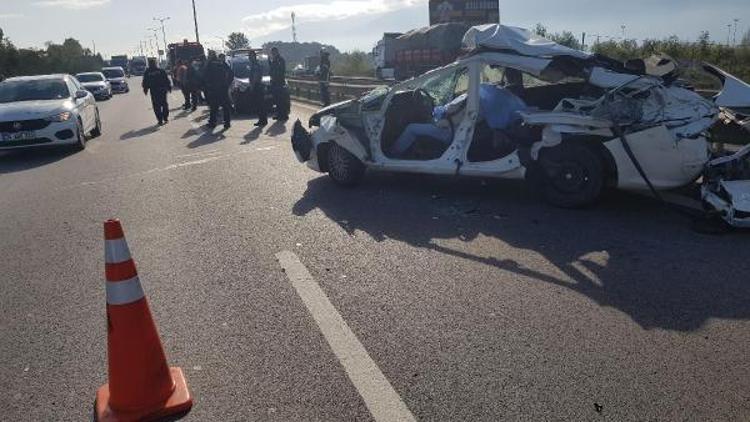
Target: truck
(121, 61)
(185, 50)
(138, 65)
(402, 56)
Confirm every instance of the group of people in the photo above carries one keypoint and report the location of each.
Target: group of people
(211, 79)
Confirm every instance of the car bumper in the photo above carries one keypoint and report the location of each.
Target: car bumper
(99, 95)
(120, 88)
(62, 133)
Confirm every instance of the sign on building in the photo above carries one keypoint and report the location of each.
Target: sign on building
(470, 12)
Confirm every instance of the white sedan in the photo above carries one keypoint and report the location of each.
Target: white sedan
(46, 110)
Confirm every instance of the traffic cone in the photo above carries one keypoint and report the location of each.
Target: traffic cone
(141, 386)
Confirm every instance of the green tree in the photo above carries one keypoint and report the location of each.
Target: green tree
(237, 40)
(567, 39)
(541, 30)
(355, 63)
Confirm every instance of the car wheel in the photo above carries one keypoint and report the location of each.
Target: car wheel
(81, 137)
(344, 168)
(570, 175)
(97, 130)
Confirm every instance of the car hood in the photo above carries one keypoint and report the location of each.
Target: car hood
(735, 92)
(94, 85)
(29, 110)
(329, 111)
(117, 80)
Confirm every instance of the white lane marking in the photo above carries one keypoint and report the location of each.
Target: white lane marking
(380, 398)
(202, 153)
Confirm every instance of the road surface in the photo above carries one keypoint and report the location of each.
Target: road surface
(286, 298)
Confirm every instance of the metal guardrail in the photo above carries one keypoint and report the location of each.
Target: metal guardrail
(340, 90)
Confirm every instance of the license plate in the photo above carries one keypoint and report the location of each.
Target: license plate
(18, 136)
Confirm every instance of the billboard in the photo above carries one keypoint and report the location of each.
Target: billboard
(470, 12)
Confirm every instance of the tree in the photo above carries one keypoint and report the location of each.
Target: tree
(541, 30)
(237, 40)
(567, 39)
(746, 38)
(356, 63)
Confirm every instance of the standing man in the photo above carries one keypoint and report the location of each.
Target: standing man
(156, 81)
(278, 82)
(180, 77)
(324, 77)
(217, 78)
(194, 82)
(259, 91)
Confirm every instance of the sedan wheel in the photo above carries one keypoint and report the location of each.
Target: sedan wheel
(571, 175)
(81, 134)
(97, 131)
(344, 168)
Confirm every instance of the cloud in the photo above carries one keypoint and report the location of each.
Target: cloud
(72, 4)
(10, 15)
(280, 18)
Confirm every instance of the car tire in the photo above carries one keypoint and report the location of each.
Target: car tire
(344, 168)
(569, 175)
(97, 130)
(80, 136)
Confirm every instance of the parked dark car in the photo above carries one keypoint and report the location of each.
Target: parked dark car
(240, 92)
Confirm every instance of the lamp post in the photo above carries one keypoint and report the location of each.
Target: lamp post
(156, 39)
(163, 32)
(195, 19)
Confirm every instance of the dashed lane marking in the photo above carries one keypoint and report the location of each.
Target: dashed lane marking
(384, 404)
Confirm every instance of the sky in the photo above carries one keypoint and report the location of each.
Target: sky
(118, 26)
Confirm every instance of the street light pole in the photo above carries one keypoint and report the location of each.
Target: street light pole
(163, 32)
(195, 19)
(156, 39)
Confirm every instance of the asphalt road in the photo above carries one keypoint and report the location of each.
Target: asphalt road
(476, 301)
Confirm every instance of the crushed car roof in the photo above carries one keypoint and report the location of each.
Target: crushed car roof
(498, 37)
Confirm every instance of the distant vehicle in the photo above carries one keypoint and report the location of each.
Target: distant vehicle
(116, 77)
(402, 56)
(46, 110)
(120, 61)
(96, 83)
(185, 50)
(138, 65)
(312, 64)
(240, 92)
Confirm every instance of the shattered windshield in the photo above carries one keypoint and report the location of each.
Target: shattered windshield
(373, 100)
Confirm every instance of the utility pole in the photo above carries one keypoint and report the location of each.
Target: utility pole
(583, 41)
(156, 39)
(729, 34)
(294, 27)
(195, 19)
(163, 32)
(623, 31)
(736, 21)
(94, 42)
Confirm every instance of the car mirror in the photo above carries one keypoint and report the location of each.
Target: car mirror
(81, 94)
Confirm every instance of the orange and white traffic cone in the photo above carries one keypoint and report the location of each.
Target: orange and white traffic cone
(141, 386)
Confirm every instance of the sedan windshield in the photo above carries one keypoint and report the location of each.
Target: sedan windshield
(92, 77)
(113, 73)
(46, 89)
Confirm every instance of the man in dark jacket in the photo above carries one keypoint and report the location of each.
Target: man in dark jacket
(324, 78)
(259, 91)
(216, 79)
(156, 81)
(278, 84)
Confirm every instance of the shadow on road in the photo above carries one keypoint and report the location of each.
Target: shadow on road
(207, 137)
(252, 136)
(276, 129)
(13, 161)
(132, 134)
(657, 271)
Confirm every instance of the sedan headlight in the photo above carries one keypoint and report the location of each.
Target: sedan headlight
(62, 117)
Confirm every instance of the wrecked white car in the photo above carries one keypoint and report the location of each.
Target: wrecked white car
(520, 106)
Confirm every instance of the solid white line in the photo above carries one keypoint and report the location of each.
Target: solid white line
(378, 394)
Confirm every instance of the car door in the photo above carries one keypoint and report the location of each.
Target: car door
(86, 105)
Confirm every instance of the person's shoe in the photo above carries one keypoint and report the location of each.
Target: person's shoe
(166, 121)
(261, 124)
(194, 108)
(227, 126)
(210, 125)
(161, 123)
